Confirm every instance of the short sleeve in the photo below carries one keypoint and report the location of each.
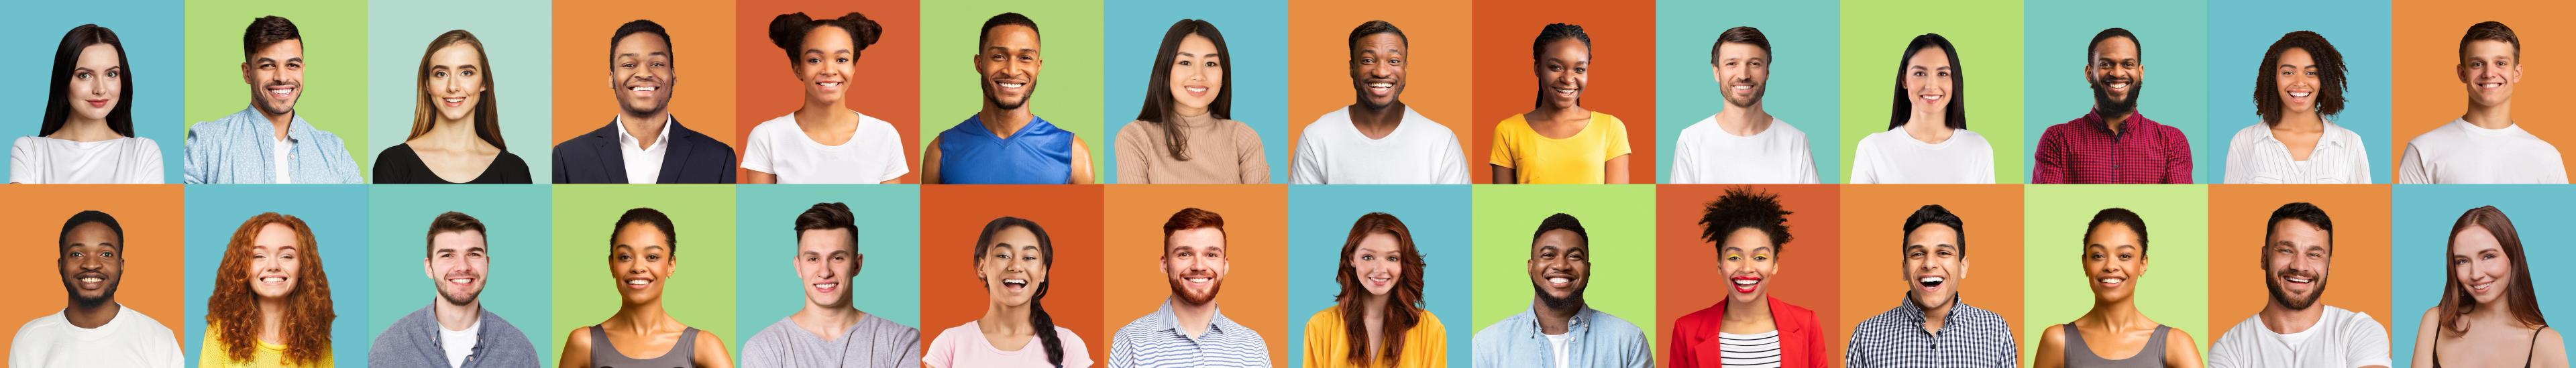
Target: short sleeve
(1614, 140)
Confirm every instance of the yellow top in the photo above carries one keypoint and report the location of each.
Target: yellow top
(1425, 346)
(266, 356)
(1577, 159)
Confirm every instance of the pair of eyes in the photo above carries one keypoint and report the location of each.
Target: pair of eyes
(1389, 61)
(1187, 254)
(453, 255)
(1920, 254)
(1576, 256)
(2455, 261)
(1373, 257)
(812, 60)
(1559, 68)
(107, 254)
(655, 64)
(1757, 257)
(647, 257)
(1022, 57)
(2122, 64)
(1004, 256)
(1756, 64)
(2307, 72)
(110, 74)
(1920, 73)
(1210, 63)
(443, 73)
(289, 66)
(820, 258)
(288, 256)
(2484, 63)
(2099, 256)
(2289, 251)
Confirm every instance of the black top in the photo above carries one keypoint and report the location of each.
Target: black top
(399, 165)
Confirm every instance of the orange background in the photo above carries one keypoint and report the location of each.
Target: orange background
(1254, 292)
(701, 35)
(1621, 83)
(1809, 266)
(1435, 73)
(2428, 91)
(951, 217)
(885, 86)
(151, 217)
(2358, 278)
(1874, 219)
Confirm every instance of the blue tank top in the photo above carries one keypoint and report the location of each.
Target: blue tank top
(1037, 154)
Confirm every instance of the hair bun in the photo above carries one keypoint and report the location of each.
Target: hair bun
(863, 32)
(788, 30)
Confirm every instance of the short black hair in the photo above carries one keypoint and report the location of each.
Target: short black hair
(1375, 27)
(647, 215)
(1744, 208)
(643, 26)
(268, 30)
(1742, 35)
(2330, 73)
(87, 217)
(2123, 216)
(1565, 222)
(1004, 19)
(829, 216)
(1935, 214)
(2106, 35)
(2304, 212)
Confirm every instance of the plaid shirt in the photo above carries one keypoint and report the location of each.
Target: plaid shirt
(2086, 151)
(1969, 337)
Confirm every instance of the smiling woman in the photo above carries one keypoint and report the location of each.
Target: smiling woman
(456, 123)
(644, 251)
(88, 133)
(271, 304)
(1011, 254)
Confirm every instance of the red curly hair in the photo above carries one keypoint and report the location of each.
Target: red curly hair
(233, 310)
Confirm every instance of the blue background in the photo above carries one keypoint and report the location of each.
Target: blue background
(518, 239)
(1804, 86)
(2422, 217)
(338, 216)
(150, 31)
(2174, 36)
(887, 286)
(516, 35)
(1256, 37)
(2242, 30)
(1319, 220)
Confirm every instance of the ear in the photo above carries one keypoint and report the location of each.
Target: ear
(2462, 70)
(1963, 268)
(1714, 74)
(425, 270)
(246, 77)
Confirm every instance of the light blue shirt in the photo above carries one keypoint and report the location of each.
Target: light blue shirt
(1594, 339)
(1157, 340)
(238, 148)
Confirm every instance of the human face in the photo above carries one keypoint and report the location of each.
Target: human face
(1198, 73)
(2113, 261)
(1377, 69)
(2116, 75)
(825, 64)
(1013, 267)
(1195, 263)
(1934, 267)
(1747, 260)
(2296, 257)
(1928, 75)
(640, 72)
(1562, 72)
(825, 262)
(1010, 64)
(1744, 69)
(276, 76)
(1378, 263)
(275, 262)
(639, 258)
(2480, 266)
(1559, 266)
(457, 263)
(92, 262)
(2490, 70)
(456, 81)
(2297, 80)
(97, 82)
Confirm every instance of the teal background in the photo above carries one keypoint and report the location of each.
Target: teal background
(2422, 218)
(2175, 289)
(1803, 86)
(700, 291)
(1619, 220)
(1256, 40)
(337, 213)
(1069, 43)
(2244, 29)
(888, 284)
(1319, 220)
(517, 240)
(516, 36)
(335, 78)
(150, 31)
(1874, 36)
(2174, 41)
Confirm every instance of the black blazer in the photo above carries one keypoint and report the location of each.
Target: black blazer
(692, 158)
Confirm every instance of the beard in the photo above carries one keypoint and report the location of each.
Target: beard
(2110, 108)
(2284, 298)
(1214, 286)
(996, 99)
(272, 108)
(459, 297)
(1553, 302)
(106, 293)
(1747, 102)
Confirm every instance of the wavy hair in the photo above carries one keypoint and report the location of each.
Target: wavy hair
(1404, 303)
(234, 312)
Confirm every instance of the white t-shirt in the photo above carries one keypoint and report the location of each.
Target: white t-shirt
(2256, 157)
(1557, 343)
(41, 160)
(1332, 151)
(460, 344)
(1891, 157)
(2463, 153)
(2340, 339)
(643, 164)
(873, 154)
(129, 340)
(283, 152)
(1706, 154)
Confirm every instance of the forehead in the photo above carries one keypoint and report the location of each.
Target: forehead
(640, 234)
(1747, 239)
(1740, 49)
(1016, 237)
(2297, 56)
(2116, 46)
(90, 233)
(99, 53)
(457, 239)
(274, 236)
(828, 37)
(2487, 48)
(1198, 237)
(281, 50)
(1197, 42)
(1012, 36)
(1560, 238)
(1932, 233)
(455, 54)
(641, 43)
(2296, 229)
(1929, 57)
(2112, 233)
(2472, 240)
(1377, 243)
(1382, 41)
(825, 240)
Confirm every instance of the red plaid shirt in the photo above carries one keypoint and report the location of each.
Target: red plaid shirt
(2085, 151)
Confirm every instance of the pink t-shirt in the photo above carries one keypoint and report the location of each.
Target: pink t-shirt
(964, 346)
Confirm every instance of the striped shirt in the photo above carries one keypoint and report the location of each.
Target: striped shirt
(1156, 340)
(1760, 350)
(2256, 157)
(1969, 337)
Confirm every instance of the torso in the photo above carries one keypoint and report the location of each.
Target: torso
(2300, 142)
(456, 164)
(2493, 344)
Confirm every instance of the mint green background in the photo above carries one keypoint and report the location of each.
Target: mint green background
(335, 56)
(2175, 289)
(2175, 38)
(1068, 83)
(1803, 84)
(700, 293)
(1988, 35)
(888, 285)
(515, 35)
(1618, 218)
(515, 220)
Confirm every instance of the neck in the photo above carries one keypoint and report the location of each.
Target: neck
(1005, 122)
(642, 317)
(2116, 122)
(1934, 317)
(826, 321)
(83, 129)
(645, 128)
(1194, 318)
(1006, 319)
(92, 316)
(1554, 321)
(1744, 120)
(272, 318)
(824, 112)
(1373, 305)
(1185, 111)
(2119, 315)
(280, 122)
(2498, 116)
(1383, 118)
(452, 134)
(2300, 121)
(1929, 129)
(2282, 319)
(456, 317)
(1758, 309)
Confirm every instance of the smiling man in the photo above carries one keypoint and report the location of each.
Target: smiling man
(93, 330)
(643, 144)
(1742, 143)
(1188, 331)
(1931, 327)
(1377, 139)
(830, 331)
(268, 143)
(2485, 145)
(1559, 330)
(454, 331)
(1006, 143)
(2294, 330)
(2113, 144)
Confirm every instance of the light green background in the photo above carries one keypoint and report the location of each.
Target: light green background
(1618, 218)
(1068, 86)
(335, 69)
(515, 217)
(2175, 289)
(700, 293)
(1988, 35)
(515, 35)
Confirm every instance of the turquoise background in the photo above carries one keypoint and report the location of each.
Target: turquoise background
(1256, 38)
(150, 31)
(517, 228)
(2174, 37)
(888, 284)
(1802, 90)
(2244, 29)
(516, 36)
(2421, 240)
(337, 213)
(1875, 33)
(1319, 220)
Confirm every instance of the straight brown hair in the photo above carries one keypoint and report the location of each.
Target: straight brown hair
(2518, 298)
(487, 110)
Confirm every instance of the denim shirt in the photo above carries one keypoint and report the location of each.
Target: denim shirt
(1594, 339)
(237, 149)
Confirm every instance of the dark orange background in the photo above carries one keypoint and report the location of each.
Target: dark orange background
(2428, 91)
(1254, 293)
(1874, 224)
(887, 83)
(701, 39)
(1622, 76)
(151, 217)
(951, 217)
(2359, 275)
(1435, 73)
(1809, 265)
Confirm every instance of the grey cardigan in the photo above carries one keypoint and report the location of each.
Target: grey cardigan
(413, 342)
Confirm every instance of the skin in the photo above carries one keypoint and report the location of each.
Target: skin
(97, 87)
(450, 148)
(1747, 255)
(1562, 74)
(641, 263)
(643, 78)
(2113, 261)
(1195, 265)
(2300, 126)
(1379, 263)
(2490, 69)
(1377, 83)
(456, 264)
(1927, 75)
(1744, 71)
(2479, 264)
(1560, 264)
(275, 74)
(1933, 251)
(826, 260)
(91, 251)
(2296, 261)
(1013, 256)
(1010, 64)
(824, 66)
(274, 273)
(2115, 69)
(1196, 76)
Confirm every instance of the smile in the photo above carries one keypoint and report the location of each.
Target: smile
(1380, 280)
(2111, 281)
(91, 279)
(273, 279)
(1197, 280)
(2298, 280)
(829, 85)
(2300, 94)
(1743, 87)
(1745, 284)
(1008, 85)
(1563, 91)
(460, 280)
(826, 286)
(1559, 281)
(1015, 284)
(1931, 97)
(2490, 85)
(281, 91)
(454, 101)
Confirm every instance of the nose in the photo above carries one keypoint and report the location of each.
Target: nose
(455, 84)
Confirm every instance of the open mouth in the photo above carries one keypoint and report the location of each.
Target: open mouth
(638, 283)
(281, 92)
(826, 286)
(2490, 86)
(272, 279)
(1743, 87)
(2295, 280)
(1010, 85)
(2117, 85)
(1015, 285)
(453, 101)
(460, 280)
(1930, 283)
(829, 85)
(1201, 280)
(2482, 287)
(1559, 281)
(1746, 284)
(643, 90)
(1931, 97)
(2111, 281)
(1381, 89)
(1566, 91)
(1380, 280)
(1195, 91)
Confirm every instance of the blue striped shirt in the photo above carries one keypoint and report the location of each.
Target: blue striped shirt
(1156, 340)
(1969, 337)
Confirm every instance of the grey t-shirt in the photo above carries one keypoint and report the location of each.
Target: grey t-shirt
(871, 343)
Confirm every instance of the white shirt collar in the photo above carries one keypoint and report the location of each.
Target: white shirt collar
(628, 139)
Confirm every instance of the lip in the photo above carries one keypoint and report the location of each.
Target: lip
(2483, 287)
(1010, 85)
(1559, 281)
(2110, 281)
(1015, 285)
(1746, 284)
(1742, 87)
(460, 280)
(1931, 97)
(2118, 85)
(2491, 86)
(830, 85)
(644, 90)
(452, 101)
(638, 283)
(1195, 91)
(97, 103)
(1381, 280)
(1198, 280)
(1566, 91)
(1381, 89)
(1931, 283)
(272, 279)
(826, 286)
(281, 92)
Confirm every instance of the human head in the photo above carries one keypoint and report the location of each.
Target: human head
(1189, 75)
(1010, 253)
(2301, 74)
(272, 257)
(1750, 230)
(1560, 261)
(2115, 253)
(1936, 256)
(2487, 270)
(1562, 59)
(2115, 65)
(642, 68)
(2490, 63)
(823, 53)
(458, 257)
(91, 80)
(1924, 82)
(1741, 59)
(455, 79)
(1379, 52)
(1379, 261)
(643, 252)
(273, 64)
(1194, 254)
(2298, 247)
(1007, 57)
(91, 258)
(827, 260)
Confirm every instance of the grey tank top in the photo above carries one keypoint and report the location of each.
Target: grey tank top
(605, 355)
(2078, 356)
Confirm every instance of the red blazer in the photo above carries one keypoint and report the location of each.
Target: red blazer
(1694, 343)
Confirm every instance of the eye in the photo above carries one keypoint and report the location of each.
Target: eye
(81, 75)
(1945, 73)
(1210, 64)
(658, 64)
(1761, 257)
(841, 60)
(1914, 254)
(1028, 258)
(75, 255)
(1394, 61)
(1581, 70)
(1918, 74)
(438, 74)
(1027, 58)
(652, 257)
(1732, 257)
(1944, 253)
(813, 60)
(1367, 61)
(1368, 258)
(469, 73)
(2124, 256)
(626, 65)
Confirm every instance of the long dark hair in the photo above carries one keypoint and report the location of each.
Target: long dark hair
(1552, 33)
(1403, 303)
(1159, 103)
(487, 109)
(66, 57)
(1955, 116)
(2519, 300)
(1038, 318)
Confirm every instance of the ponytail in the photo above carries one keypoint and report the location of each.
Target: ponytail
(1046, 329)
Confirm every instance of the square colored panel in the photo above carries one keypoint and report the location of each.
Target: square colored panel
(886, 82)
(1253, 292)
(1808, 268)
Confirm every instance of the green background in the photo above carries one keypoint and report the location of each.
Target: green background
(1618, 218)
(2175, 289)
(516, 35)
(1068, 85)
(516, 224)
(700, 293)
(1988, 35)
(334, 98)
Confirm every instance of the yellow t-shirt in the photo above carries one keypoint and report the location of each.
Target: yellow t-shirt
(1578, 159)
(1425, 346)
(266, 356)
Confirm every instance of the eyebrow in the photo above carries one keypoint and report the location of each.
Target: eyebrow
(1007, 49)
(1764, 247)
(655, 53)
(822, 51)
(1188, 54)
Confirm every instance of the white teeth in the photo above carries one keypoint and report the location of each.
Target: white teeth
(1928, 280)
(1013, 85)
(2119, 85)
(1199, 280)
(91, 279)
(2491, 85)
(2112, 281)
(1565, 91)
(1743, 87)
(461, 280)
(455, 99)
(1745, 282)
(1559, 280)
(1195, 89)
(2300, 94)
(1931, 97)
(1015, 282)
(1381, 85)
(273, 279)
(830, 84)
(1380, 278)
(638, 282)
(644, 89)
(2301, 280)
